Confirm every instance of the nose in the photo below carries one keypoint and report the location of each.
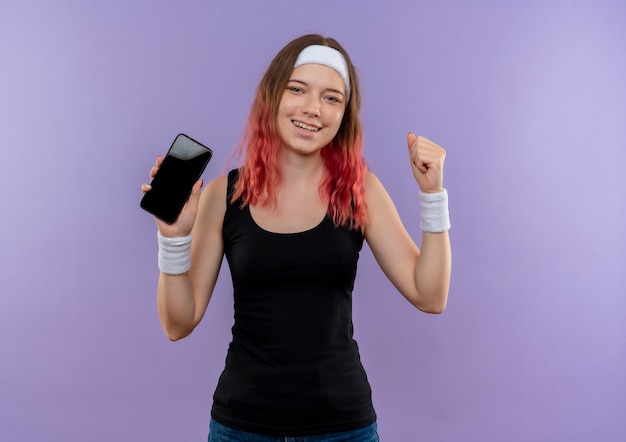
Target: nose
(311, 106)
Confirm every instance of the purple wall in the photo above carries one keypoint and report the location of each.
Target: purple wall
(529, 100)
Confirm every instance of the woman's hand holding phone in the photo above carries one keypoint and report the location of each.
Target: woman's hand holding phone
(185, 221)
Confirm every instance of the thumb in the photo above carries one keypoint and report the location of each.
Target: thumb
(195, 190)
(410, 139)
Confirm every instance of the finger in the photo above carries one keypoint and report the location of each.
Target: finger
(195, 193)
(410, 139)
(197, 187)
(416, 158)
(145, 187)
(421, 165)
(432, 155)
(155, 168)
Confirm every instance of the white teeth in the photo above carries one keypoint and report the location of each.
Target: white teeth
(305, 126)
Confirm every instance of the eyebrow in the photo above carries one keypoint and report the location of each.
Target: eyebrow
(329, 89)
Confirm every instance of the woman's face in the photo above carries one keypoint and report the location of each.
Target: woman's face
(311, 109)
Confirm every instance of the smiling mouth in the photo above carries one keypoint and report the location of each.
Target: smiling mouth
(308, 127)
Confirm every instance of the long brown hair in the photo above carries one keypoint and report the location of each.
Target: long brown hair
(260, 177)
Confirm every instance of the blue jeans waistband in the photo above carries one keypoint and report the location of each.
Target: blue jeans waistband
(221, 433)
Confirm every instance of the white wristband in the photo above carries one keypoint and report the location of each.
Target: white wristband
(174, 254)
(434, 215)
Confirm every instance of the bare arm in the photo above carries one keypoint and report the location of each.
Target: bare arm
(182, 299)
(422, 276)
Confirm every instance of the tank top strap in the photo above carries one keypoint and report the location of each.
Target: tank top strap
(233, 176)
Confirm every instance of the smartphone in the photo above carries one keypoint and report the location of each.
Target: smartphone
(182, 166)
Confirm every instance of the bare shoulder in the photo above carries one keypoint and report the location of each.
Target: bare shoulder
(213, 201)
(371, 180)
(380, 207)
(375, 192)
(216, 187)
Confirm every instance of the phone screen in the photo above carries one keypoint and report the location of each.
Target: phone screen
(171, 186)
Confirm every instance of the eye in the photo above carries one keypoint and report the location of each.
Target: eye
(295, 89)
(332, 99)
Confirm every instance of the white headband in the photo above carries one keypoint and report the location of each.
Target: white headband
(327, 56)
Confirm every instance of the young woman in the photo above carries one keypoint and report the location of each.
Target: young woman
(291, 222)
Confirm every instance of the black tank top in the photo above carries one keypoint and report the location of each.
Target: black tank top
(293, 367)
